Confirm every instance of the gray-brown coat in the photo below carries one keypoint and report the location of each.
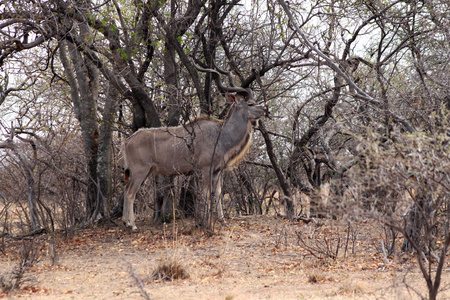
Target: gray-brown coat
(205, 146)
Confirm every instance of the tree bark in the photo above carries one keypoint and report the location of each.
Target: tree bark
(105, 165)
(289, 207)
(83, 80)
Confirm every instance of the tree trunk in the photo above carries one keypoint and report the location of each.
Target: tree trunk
(83, 80)
(105, 167)
(187, 198)
(164, 198)
(31, 195)
(416, 227)
(289, 207)
(170, 78)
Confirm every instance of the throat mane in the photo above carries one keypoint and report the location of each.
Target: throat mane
(237, 154)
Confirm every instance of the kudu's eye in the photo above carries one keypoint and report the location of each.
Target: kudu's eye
(251, 104)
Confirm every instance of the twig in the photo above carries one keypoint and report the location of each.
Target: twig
(26, 235)
(138, 281)
(308, 220)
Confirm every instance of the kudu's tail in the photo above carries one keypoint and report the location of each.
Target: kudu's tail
(126, 173)
(126, 176)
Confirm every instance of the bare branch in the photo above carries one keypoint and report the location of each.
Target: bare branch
(359, 93)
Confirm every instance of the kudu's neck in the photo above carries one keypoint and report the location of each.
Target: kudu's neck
(236, 127)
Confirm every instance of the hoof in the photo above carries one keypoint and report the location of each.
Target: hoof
(132, 227)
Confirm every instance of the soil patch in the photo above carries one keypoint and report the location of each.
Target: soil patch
(255, 257)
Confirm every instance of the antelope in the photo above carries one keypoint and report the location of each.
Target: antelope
(203, 145)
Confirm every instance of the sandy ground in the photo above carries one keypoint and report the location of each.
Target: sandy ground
(257, 257)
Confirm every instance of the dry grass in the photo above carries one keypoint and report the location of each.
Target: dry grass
(243, 261)
(317, 276)
(170, 269)
(355, 287)
(12, 278)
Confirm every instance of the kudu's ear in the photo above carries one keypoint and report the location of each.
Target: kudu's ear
(235, 98)
(231, 98)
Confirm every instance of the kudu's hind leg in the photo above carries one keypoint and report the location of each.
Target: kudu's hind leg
(137, 178)
(125, 204)
(128, 213)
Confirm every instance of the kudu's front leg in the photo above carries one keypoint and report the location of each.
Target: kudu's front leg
(217, 195)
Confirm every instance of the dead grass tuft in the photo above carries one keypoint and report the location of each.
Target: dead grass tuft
(355, 287)
(17, 276)
(169, 270)
(317, 276)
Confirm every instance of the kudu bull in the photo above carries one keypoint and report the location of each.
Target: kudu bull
(204, 146)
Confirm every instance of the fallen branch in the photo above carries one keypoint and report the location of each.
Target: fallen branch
(138, 281)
